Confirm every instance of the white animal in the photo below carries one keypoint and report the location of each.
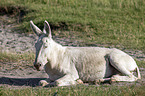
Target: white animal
(69, 65)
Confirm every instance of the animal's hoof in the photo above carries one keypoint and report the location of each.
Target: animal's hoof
(43, 83)
(79, 81)
(98, 82)
(112, 81)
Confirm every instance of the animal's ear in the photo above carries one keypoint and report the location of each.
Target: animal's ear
(47, 29)
(35, 29)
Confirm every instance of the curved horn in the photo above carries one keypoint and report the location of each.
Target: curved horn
(35, 29)
(47, 29)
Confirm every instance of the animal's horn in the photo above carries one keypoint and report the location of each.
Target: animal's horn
(47, 28)
(35, 29)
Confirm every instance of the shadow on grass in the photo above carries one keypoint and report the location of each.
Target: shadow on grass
(33, 82)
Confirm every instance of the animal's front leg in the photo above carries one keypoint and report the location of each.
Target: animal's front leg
(44, 82)
(65, 81)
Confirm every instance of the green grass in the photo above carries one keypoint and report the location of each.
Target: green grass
(141, 64)
(79, 90)
(110, 22)
(14, 57)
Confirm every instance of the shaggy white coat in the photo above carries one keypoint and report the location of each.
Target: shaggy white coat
(66, 65)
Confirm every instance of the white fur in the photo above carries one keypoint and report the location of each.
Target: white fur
(66, 65)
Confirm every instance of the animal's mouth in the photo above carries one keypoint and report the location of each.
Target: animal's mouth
(37, 69)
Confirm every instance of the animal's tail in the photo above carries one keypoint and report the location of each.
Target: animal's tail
(138, 73)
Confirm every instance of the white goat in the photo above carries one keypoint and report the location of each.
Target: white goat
(69, 65)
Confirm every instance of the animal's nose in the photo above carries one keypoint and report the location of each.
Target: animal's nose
(37, 65)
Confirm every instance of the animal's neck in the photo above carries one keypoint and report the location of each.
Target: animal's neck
(56, 53)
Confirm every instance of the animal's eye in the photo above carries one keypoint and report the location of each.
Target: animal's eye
(45, 40)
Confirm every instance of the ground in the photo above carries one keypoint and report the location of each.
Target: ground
(16, 75)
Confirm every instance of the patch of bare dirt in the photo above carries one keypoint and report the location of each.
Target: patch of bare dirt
(14, 75)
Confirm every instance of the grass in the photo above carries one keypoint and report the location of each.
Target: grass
(107, 22)
(14, 57)
(110, 22)
(141, 64)
(11, 61)
(79, 90)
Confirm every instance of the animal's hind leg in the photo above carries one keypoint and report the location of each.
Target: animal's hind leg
(130, 78)
(124, 64)
(126, 75)
(115, 78)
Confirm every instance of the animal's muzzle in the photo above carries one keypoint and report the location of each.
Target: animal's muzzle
(37, 66)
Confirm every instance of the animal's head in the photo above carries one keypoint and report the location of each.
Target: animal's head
(43, 44)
